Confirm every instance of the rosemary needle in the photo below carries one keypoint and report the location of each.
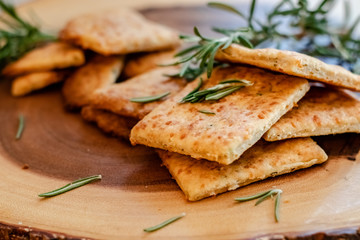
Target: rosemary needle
(263, 196)
(149, 98)
(206, 112)
(71, 186)
(163, 224)
(21, 127)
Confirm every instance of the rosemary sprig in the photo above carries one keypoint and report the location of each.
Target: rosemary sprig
(307, 31)
(223, 89)
(149, 98)
(18, 37)
(163, 224)
(263, 196)
(206, 112)
(20, 127)
(71, 186)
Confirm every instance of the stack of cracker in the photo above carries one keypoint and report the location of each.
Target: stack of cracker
(259, 131)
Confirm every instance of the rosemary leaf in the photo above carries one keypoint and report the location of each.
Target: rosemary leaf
(243, 81)
(149, 98)
(163, 224)
(226, 7)
(252, 197)
(19, 36)
(277, 206)
(71, 186)
(206, 112)
(263, 196)
(20, 127)
(222, 93)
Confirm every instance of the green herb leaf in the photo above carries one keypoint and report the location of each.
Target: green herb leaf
(263, 196)
(19, 36)
(216, 92)
(222, 93)
(163, 224)
(206, 112)
(71, 186)
(149, 98)
(20, 127)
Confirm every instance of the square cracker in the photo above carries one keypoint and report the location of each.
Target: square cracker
(200, 178)
(240, 120)
(98, 73)
(116, 98)
(118, 31)
(25, 84)
(322, 111)
(56, 55)
(292, 63)
(109, 122)
(143, 62)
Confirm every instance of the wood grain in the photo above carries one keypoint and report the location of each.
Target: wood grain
(136, 192)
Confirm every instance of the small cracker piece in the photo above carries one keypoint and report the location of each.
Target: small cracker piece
(240, 120)
(118, 31)
(56, 55)
(98, 73)
(109, 122)
(116, 98)
(35, 81)
(141, 63)
(292, 63)
(199, 179)
(323, 111)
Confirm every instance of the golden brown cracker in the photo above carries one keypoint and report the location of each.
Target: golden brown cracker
(118, 31)
(239, 121)
(323, 111)
(199, 179)
(98, 73)
(34, 81)
(116, 98)
(56, 55)
(109, 122)
(292, 63)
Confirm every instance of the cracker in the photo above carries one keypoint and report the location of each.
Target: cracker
(141, 63)
(109, 122)
(240, 120)
(118, 31)
(199, 179)
(56, 55)
(116, 98)
(98, 73)
(322, 111)
(35, 81)
(292, 63)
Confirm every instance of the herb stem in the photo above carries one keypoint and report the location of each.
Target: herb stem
(163, 224)
(20, 127)
(149, 98)
(71, 186)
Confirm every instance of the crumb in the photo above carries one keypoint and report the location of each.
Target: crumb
(25, 166)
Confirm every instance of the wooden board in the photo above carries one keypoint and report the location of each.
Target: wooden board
(136, 192)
